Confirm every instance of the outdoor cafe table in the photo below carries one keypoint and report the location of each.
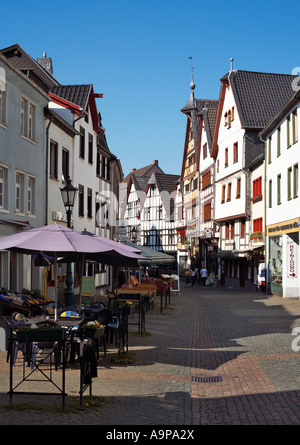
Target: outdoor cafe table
(35, 365)
(134, 295)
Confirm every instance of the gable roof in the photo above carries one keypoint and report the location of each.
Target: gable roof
(25, 63)
(209, 113)
(143, 171)
(258, 97)
(76, 94)
(205, 110)
(166, 185)
(164, 182)
(282, 112)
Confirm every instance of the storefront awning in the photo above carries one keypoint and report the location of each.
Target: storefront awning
(242, 253)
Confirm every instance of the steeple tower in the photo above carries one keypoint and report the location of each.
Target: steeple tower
(191, 102)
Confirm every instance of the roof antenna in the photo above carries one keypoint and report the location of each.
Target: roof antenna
(231, 64)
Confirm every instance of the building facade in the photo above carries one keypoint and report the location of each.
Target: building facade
(282, 200)
(241, 115)
(22, 169)
(72, 143)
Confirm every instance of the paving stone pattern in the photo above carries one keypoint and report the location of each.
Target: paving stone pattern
(214, 356)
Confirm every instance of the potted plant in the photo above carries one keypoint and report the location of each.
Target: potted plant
(128, 308)
(93, 329)
(256, 235)
(39, 333)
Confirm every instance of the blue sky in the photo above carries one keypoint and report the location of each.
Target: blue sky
(136, 53)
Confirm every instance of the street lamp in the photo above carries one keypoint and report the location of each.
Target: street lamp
(68, 193)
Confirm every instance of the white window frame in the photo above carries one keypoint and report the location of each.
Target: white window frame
(3, 187)
(28, 119)
(19, 191)
(3, 105)
(31, 190)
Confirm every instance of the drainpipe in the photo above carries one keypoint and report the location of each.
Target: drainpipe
(265, 217)
(80, 117)
(46, 168)
(215, 223)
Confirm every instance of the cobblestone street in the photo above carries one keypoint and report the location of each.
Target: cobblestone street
(213, 357)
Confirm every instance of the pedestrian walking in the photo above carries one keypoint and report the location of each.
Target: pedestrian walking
(203, 275)
(187, 277)
(193, 277)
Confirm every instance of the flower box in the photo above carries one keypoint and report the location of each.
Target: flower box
(40, 335)
(91, 332)
(128, 310)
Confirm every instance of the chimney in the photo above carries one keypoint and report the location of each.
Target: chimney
(231, 64)
(155, 161)
(133, 170)
(46, 63)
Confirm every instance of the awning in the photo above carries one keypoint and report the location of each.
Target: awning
(14, 221)
(151, 256)
(242, 253)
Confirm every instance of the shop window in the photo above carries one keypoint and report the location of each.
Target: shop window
(275, 249)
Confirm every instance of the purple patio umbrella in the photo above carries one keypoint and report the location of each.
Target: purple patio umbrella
(57, 240)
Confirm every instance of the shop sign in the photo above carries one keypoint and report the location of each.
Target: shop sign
(292, 264)
(292, 225)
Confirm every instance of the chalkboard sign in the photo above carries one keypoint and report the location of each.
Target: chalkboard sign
(88, 286)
